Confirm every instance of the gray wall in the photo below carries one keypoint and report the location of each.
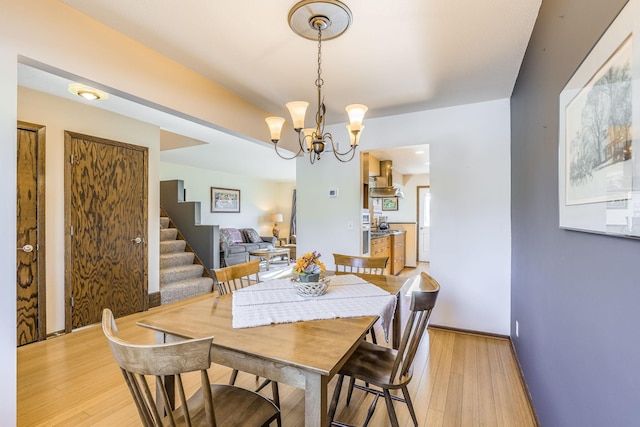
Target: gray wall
(575, 295)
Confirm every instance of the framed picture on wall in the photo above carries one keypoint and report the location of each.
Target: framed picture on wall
(598, 167)
(390, 204)
(225, 200)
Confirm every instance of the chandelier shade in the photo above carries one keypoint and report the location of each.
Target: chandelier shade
(330, 18)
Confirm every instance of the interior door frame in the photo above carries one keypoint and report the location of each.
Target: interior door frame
(418, 204)
(40, 131)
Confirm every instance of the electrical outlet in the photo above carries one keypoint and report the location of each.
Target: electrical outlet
(517, 329)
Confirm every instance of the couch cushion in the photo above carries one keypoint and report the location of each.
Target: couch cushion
(225, 237)
(234, 249)
(236, 235)
(251, 235)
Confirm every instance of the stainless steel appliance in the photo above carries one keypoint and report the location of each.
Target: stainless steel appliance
(366, 232)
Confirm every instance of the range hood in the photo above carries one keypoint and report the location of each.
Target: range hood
(389, 191)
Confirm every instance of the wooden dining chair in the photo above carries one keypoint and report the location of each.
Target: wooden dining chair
(364, 265)
(384, 369)
(229, 279)
(144, 366)
(360, 264)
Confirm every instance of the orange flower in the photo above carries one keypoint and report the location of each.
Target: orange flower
(309, 263)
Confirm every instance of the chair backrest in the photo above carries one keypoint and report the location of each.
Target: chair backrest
(360, 264)
(139, 363)
(237, 276)
(422, 302)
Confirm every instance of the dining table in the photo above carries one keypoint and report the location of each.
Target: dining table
(304, 354)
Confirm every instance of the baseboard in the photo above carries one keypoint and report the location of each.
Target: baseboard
(154, 299)
(470, 332)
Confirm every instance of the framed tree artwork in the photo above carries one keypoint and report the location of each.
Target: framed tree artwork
(599, 124)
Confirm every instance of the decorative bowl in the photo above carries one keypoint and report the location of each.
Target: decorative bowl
(311, 289)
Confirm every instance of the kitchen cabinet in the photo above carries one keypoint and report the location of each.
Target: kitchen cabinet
(381, 247)
(398, 252)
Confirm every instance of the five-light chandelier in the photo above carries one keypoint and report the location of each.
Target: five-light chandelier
(313, 19)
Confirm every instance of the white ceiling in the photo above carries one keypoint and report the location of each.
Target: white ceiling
(398, 56)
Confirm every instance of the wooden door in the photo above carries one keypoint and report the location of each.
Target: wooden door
(106, 219)
(30, 234)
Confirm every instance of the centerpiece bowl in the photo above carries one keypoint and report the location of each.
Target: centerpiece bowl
(311, 289)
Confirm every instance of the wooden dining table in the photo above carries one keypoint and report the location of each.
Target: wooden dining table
(305, 354)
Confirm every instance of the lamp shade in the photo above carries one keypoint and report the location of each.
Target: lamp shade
(356, 115)
(275, 127)
(276, 217)
(297, 109)
(353, 137)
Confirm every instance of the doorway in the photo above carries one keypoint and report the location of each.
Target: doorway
(424, 223)
(106, 223)
(30, 234)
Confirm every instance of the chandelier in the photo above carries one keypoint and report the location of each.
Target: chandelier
(315, 19)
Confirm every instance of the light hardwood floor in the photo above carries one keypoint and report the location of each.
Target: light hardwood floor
(459, 380)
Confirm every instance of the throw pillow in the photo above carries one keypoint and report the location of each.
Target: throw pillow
(225, 237)
(251, 236)
(236, 235)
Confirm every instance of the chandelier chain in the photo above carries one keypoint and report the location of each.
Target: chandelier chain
(319, 81)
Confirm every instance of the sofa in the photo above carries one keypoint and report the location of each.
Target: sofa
(235, 244)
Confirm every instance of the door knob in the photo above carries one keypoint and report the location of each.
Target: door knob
(137, 240)
(26, 248)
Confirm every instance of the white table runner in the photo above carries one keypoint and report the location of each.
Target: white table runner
(276, 301)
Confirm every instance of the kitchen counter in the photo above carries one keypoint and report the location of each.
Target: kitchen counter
(382, 233)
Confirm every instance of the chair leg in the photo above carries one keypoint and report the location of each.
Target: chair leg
(372, 408)
(390, 409)
(352, 382)
(275, 393)
(373, 335)
(334, 400)
(276, 400)
(407, 399)
(234, 375)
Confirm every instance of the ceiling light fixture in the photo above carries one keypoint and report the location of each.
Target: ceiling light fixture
(87, 92)
(312, 19)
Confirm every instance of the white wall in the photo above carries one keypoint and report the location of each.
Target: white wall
(258, 198)
(58, 115)
(470, 206)
(8, 117)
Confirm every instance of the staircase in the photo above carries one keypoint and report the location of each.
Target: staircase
(180, 277)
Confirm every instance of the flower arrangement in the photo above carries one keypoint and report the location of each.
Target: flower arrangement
(309, 264)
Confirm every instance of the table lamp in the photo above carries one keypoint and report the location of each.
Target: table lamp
(276, 218)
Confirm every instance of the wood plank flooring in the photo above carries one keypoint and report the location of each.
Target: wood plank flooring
(459, 380)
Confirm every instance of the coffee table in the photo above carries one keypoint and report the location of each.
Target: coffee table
(267, 254)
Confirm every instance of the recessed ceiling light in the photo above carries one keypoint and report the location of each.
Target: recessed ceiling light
(87, 92)
(419, 152)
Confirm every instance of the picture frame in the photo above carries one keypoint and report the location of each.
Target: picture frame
(390, 204)
(598, 166)
(225, 200)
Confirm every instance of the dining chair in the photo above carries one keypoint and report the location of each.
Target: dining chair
(384, 369)
(364, 265)
(360, 264)
(144, 366)
(229, 279)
